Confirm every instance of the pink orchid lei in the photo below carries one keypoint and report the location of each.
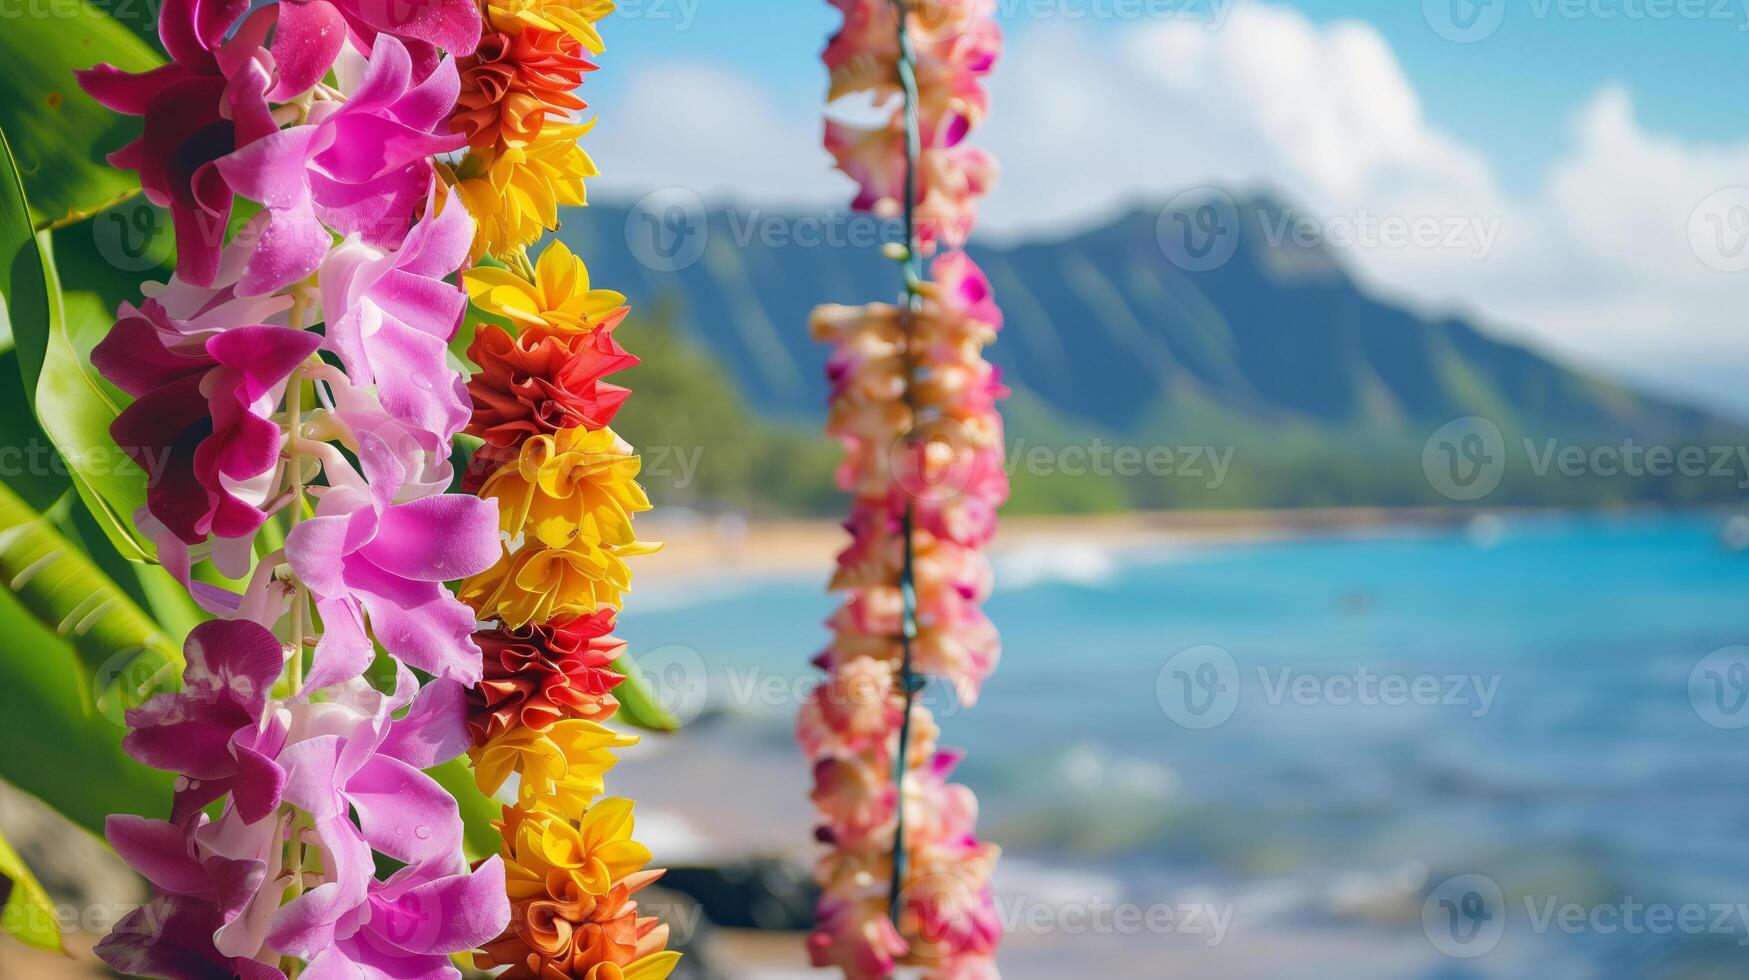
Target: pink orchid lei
(906, 881)
(297, 778)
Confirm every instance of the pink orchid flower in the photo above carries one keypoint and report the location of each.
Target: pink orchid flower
(364, 553)
(391, 316)
(217, 732)
(201, 426)
(358, 167)
(207, 102)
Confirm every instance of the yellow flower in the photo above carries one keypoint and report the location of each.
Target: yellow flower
(564, 571)
(515, 195)
(585, 478)
(656, 966)
(543, 850)
(574, 17)
(561, 768)
(559, 300)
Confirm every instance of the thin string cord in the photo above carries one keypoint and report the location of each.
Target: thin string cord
(913, 269)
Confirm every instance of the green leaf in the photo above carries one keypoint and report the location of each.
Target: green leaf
(126, 655)
(33, 469)
(59, 135)
(71, 403)
(62, 748)
(638, 705)
(28, 914)
(139, 16)
(478, 810)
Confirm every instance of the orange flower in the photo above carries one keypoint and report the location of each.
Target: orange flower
(572, 933)
(513, 83)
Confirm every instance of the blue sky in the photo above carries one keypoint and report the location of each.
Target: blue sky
(1596, 149)
(1507, 94)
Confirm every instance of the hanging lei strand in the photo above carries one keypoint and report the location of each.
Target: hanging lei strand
(293, 373)
(565, 487)
(913, 401)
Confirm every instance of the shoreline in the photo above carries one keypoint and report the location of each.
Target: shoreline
(696, 544)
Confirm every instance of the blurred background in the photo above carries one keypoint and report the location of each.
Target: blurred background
(1373, 588)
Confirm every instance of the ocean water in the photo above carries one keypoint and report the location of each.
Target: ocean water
(1505, 750)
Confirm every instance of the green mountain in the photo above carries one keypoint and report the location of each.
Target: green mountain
(1131, 334)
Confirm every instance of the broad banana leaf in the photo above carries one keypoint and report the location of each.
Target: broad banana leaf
(59, 135)
(71, 404)
(62, 748)
(124, 653)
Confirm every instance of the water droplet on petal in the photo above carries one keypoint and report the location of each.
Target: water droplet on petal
(422, 832)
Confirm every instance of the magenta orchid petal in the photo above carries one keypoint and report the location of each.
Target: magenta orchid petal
(158, 850)
(368, 552)
(305, 43)
(171, 937)
(241, 660)
(400, 315)
(361, 167)
(199, 428)
(453, 25)
(420, 623)
(405, 814)
(259, 783)
(127, 92)
(458, 911)
(437, 539)
(318, 547)
(231, 665)
(272, 171)
(434, 729)
(345, 650)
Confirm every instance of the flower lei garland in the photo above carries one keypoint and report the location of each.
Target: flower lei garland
(296, 780)
(914, 403)
(564, 485)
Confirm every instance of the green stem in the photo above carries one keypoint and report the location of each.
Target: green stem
(300, 593)
(909, 682)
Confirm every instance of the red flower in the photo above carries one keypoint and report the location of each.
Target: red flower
(542, 674)
(540, 383)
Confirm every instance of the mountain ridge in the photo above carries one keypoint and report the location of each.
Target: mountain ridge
(1111, 326)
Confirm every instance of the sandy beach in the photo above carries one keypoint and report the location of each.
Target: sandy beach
(695, 544)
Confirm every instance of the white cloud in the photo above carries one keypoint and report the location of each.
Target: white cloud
(712, 131)
(1595, 263)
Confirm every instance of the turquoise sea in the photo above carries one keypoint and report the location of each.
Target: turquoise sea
(1502, 750)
